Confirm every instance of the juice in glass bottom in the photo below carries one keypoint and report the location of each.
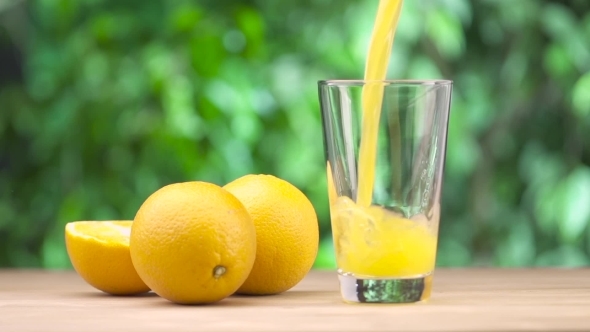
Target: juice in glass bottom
(390, 258)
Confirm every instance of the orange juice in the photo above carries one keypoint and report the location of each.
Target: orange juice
(371, 241)
(374, 242)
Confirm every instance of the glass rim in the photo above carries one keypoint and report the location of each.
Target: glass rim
(357, 82)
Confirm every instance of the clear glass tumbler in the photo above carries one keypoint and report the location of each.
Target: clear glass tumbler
(385, 147)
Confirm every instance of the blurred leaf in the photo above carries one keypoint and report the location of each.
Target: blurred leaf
(463, 157)
(460, 8)
(6, 215)
(518, 248)
(252, 26)
(446, 32)
(423, 68)
(581, 96)
(185, 17)
(575, 215)
(566, 256)
(557, 61)
(558, 20)
(326, 258)
(54, 252)
(452, 253)
(517, 18)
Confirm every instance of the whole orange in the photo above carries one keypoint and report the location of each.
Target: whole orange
(193, 242)
(287, 232)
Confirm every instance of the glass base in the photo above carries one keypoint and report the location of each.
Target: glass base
(357, 289)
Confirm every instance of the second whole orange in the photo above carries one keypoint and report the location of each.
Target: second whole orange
(287, 233)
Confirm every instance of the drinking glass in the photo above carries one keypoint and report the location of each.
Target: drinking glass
(385, 147)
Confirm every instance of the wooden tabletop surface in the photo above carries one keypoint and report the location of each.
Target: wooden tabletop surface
(462, 300)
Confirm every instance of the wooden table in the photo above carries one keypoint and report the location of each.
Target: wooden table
(463, 300)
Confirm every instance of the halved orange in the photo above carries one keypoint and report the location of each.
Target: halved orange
(99, 252)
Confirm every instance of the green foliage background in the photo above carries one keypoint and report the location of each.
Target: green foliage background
(118, 98)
